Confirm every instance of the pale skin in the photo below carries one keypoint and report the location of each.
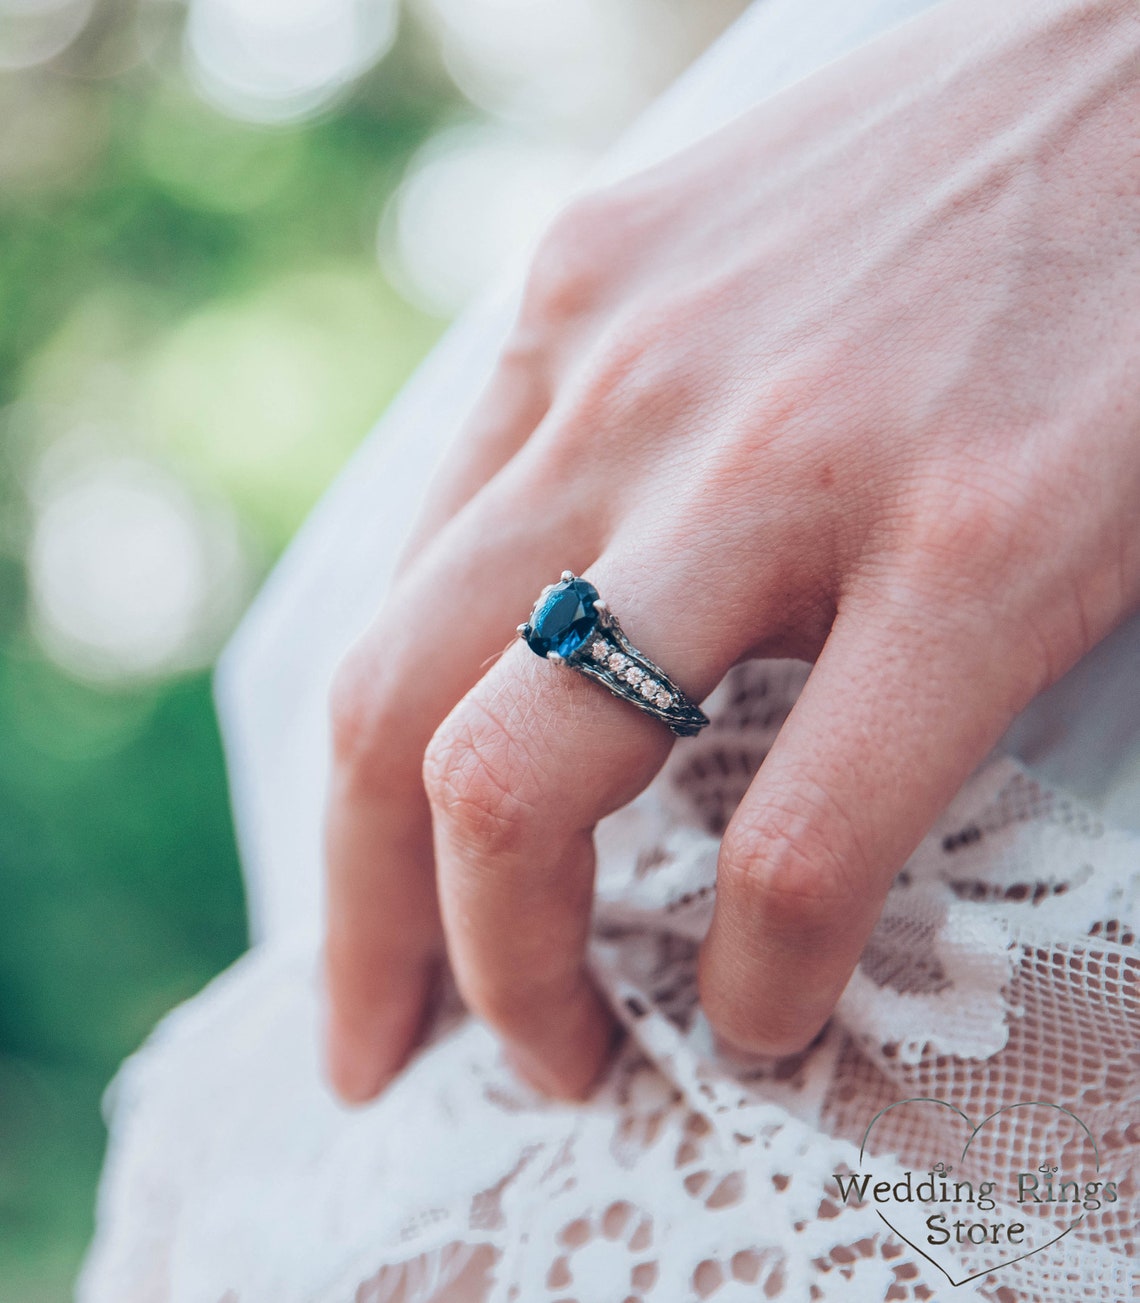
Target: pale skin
(857, 380)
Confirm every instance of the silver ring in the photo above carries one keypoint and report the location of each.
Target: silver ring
(572, 625)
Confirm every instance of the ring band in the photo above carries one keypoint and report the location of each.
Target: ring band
(572, 625)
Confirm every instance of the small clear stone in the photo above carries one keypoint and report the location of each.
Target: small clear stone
(633, 675)
(599, 651)
(663, 698)
(617, 661)
(648, 689)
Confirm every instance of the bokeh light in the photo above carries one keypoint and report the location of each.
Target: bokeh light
(278, 60)
(474, 198)
(267, 393)
(578, 68)
(34, 31)
(130, 576)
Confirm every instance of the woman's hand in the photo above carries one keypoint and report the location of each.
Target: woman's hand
(855, 380)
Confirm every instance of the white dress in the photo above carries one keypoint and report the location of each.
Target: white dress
(1004, 972)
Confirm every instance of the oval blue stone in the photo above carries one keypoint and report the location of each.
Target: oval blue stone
(564, 618)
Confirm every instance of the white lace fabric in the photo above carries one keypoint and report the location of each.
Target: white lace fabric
(1004, 972)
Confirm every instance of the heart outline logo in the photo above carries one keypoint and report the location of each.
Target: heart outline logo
(974, 1130)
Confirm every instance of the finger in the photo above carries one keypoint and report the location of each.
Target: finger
(899, 709)
(457, 607)
(506, 414)
(518, 775)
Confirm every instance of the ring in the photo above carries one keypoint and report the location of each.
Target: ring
(572, 625)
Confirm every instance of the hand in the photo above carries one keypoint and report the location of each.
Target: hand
(855, 380)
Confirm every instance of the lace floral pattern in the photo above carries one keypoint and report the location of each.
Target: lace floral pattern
(1005, 969)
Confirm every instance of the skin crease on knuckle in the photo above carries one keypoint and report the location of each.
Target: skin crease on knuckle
(369, 717)
(795, 889)
(356, 722)
(982, 542)
(567, 277)
(473, 771)
(795, 877)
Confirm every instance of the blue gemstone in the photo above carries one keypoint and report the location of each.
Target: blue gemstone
(563, 619)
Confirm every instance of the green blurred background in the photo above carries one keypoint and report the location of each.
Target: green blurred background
(228, 230)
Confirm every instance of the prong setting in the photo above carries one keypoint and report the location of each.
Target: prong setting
(571, 626)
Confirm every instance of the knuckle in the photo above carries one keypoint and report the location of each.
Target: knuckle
(966, 536)
(473, 774)
(617, 411)
(796, 865)
(369, 728)
(352, 710)
(959, 533)
(967, 558)
(637, 363)
(576, 257)
(621, 390)
(564, 276)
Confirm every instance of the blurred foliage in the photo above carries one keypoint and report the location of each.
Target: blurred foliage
(208, 291)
